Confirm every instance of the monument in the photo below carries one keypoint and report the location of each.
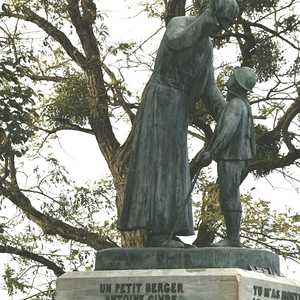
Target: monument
(159, 184)
(158, 180)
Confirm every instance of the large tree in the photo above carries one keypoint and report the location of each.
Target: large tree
(57, 75)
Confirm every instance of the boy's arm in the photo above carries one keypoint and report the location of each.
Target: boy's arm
(226, 127)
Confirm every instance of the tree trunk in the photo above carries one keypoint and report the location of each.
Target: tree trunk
(210, 218)
(174, 8)
(200, 5)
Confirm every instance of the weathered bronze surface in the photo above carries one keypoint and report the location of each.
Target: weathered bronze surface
(201, 258)
(158, 180)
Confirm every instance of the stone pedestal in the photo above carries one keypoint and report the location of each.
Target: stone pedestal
(176, 284)
(191, 258)
(180, 274)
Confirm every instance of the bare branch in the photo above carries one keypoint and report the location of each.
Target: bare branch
(118, 94)
(147, 40)
(59, 36)
(274, 163)
(273, 32)
(58, 271)
(66, 126)
(50, 225)
(36, 77)
(289, 115)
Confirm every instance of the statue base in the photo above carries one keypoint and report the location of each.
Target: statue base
(180, 274)
(175, 284)
(188, 258)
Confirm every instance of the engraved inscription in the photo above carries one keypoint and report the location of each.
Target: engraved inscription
(262, 293)
(142, 291)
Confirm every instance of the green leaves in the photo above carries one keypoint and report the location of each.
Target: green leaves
(265, 227)
(69, 101)
(257, 6)
(267, 148)
(154, 8)
(16, 105)
(267, 58)
(14, 282)
(296, 218)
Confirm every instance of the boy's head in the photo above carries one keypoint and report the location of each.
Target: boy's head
(242, 79)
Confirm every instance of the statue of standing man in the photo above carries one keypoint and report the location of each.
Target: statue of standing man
(158, 180)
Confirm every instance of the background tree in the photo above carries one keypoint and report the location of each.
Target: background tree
(57, 74)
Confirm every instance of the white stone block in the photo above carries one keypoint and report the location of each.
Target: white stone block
(176, 284)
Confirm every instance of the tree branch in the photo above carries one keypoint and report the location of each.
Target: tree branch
(273, 32)
(67, 126)
(285, 121)
(118, 94)
(174, 8)
(50, 225)
(58, 271)
(274, 163)
(35, 77)
(59, 36)
(98, 100)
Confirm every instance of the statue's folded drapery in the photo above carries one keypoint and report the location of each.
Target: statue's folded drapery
(158, 180)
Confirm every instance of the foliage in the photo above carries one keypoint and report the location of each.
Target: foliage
(263, 226)
(267, 147)
(16, 106)
(257, 6)
(153, 9)
(36, 252)
(69, 102)
(268, 52)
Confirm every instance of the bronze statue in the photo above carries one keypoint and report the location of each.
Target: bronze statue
(232, 146)
(158, 181)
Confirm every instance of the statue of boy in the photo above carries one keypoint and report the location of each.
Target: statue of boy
(158, 180)
(233, 144)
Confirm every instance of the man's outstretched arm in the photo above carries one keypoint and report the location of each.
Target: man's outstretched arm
(213, 98)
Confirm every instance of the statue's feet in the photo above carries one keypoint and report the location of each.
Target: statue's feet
(176, 238)
(227, 243)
